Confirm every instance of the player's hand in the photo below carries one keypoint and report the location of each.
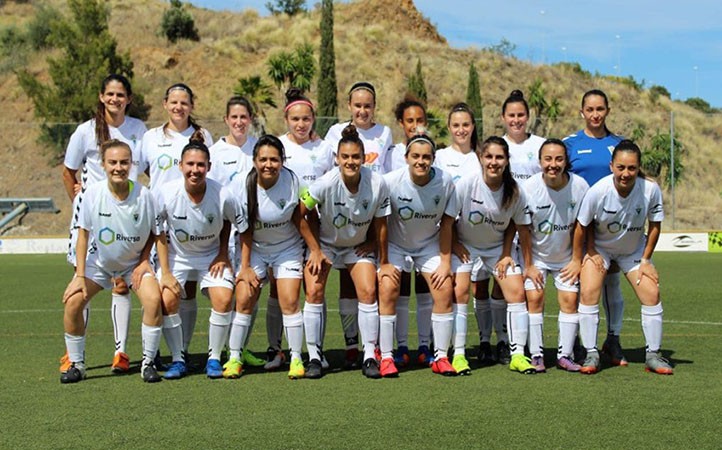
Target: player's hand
(461, 252)
(168, 281)
(248, 275)
(570, 272)
(647, 269)
(77, 284)
(318, 263)
(366, 248)
(218, 265)
(76, 189)
(139, 272)
(439, 276)
(389, 270)
(595, 259)
(504, 263)
(535, 276)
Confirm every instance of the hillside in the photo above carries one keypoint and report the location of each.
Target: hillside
(375, 40)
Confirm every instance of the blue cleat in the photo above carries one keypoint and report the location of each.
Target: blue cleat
(214, 369)
(176, 370)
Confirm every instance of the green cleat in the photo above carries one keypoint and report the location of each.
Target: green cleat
(249, 359)
(297, 371)
(522, 364)
(233, 368)
(461, 365)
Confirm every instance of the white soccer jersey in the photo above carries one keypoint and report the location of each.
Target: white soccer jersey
(118, 230)
(161, 153)
(416, 211)
(458, 165)
(308, 161)
(274, 231)
(397, 157)
(619, 222)
(377, 142)
(228, 160)
(346, 217)
(553, 215)
(194, 229)
(482, 220)
(84, 151)
(524, 157)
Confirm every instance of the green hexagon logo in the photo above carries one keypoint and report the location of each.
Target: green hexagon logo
(181, 236)
(476, 217)
(614, 227)
(546, 227)
(165, 162)
(106, 236)
(340, 221)
(406, 213)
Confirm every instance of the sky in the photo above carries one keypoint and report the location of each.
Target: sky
(671, 43)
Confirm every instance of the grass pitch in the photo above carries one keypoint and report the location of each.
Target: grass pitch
(617, 408)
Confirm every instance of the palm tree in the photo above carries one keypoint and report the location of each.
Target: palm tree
(259, 93)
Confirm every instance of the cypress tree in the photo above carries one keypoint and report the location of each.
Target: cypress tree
(417, 87)
(473, 99)
(327, 89)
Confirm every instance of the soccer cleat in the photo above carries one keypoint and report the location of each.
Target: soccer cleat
(443, 367)
(191, 367)
(655, 363)
(424, 356)
(503, 354)
(566, 363)
(65, 363)
(158, 362)
(370, 368)
(486, 356)
(149, 373)
(351, 359)
(315, 369)
(276, 359)
(538, 363)
(402, 357)
(176, 370)
(591, 363)
(249, 359)
(580, 353)
(461, 365)
(324, 362)
(613, 349)
(296, 371)
(75, 373)
(233, 368)
(121, 363)
(522, 364)
(388, 368)
(214, 369)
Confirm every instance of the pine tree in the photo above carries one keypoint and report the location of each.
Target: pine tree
(473, 99)
(327, 88)
(290, 7)
(416, 84)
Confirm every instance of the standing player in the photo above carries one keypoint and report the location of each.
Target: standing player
(614, 212)
(349, 199)
(523, 146)
(83, 152)
(232, 153)
(116, 223)
(590, 152)
(554, 197)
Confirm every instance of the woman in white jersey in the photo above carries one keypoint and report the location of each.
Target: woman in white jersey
(272, 235)
(554, 197)
(160, 154)
(83, 154)
(349, 200)
(523, 146)
(488, 203)
(378, 142)
(420, 226)
(196, 214)
(117, 222)
(614, 213)
(232, 154)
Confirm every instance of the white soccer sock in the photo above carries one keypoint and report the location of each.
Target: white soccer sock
(120, 314)
(652, 326)
(482, 311)
(313, 324)
(188, 311)
(218, 325)
(274, 324)
(536, 334)
(348, 309)
(518, 320)
(424, 306)
(613, 303)
(368, 322)
(173, 333)
(239, 330)
(498, 318)
(568, 326)
(293, 323)
(324, 316)
(386, 335)
(254, 314)
(442, 323)
(460, 328)
(75, 345)
(588, 325)
(402, 321)
(151, 342)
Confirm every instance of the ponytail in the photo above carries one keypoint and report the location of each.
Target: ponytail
(509, 185)
(102, 131)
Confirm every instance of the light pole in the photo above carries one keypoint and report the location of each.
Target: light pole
(544, 37)
(619, 54)
(564, 51)
(696, 81)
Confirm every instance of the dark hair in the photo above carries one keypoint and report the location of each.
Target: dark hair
(628, 146)
(365, 85)
(409, 101)
(510, 186)
(422, 138)
(350, 135)
(516, 96)
(560, 143)
(110, 143)
(252, 178)
(296, 95)
(102, 132)
(242, 101)
(463, 107)
(598, 92)
(196, 142)
(182, 87)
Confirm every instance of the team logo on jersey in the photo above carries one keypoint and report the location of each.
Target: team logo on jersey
(339, 203)
(340, 221)
(258, 225)
(136, 216)
(530, 156)
(406, 213)
(180, 217)
(572, 204)
(365, 203)
(456, 178)
(610, 148)
(282, 203)
(656, 209)
(614, 227)
(437, 199)
(314, 158)
(606, 211)
(405, 199)
(106, 236)
(543, 207)
(638, 209)
(478, 202)
(102, 214)
(546, 227)
(182, 235)
(385, 203)
(370, 158)
(210, 218)
(165, 162)
(475, 217)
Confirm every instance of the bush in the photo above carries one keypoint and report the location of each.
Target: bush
(700, 105)
(39, 28)
(178, 23)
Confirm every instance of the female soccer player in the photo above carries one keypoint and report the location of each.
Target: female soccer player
(377, 141)
(117, 219)
(554, 197)
(590, 152)
(160, 154)
(349, 199)
(272, 235)
(420, 226)
(487, 203)
(83, 151)
(196, 213)
(523, 146)
(232, 153)
(614, 212)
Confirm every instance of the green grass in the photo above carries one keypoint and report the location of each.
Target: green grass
(619, 407)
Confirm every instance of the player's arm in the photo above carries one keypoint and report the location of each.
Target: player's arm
(70, 182)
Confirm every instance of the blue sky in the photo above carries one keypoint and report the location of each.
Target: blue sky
(671, 43)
